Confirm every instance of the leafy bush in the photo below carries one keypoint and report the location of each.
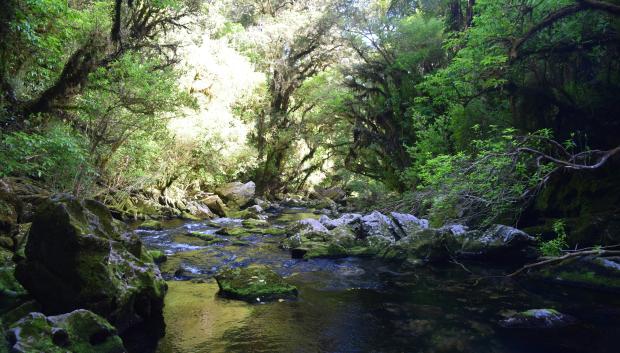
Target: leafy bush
(488, 184)
(555, 246)
(56, 156)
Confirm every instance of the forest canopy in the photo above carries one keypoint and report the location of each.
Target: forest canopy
(438, 105)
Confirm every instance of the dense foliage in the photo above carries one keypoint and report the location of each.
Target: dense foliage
(465, 107)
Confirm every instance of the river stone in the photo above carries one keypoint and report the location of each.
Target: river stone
(408, 224)
(345, 219)
(151, 224)
(254, 284)
(538, 319)
(498, 241)
(75, 258)
(455, 229)
(600, 273)
(80, 331)
(425, 245)
(307, 226)
(215, 204)
(237, 194)
(199, 210)
(378, 225)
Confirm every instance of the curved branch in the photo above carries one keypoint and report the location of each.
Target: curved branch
(564, 12)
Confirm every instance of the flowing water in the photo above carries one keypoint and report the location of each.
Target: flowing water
(360, 305)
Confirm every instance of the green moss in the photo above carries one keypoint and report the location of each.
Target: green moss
(234, 232)
(240, 243)
(271, 231)
(253, 284)
(151, 225)
(189, 216)
(72, 332)
(324, 250)
(254, 223)
(203, 236)
(535, 313)
(158, 256)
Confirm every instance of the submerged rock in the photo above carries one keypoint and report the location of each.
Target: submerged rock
(254, 284)
(237, 194)
(158, 256)
(75, 258)
(599, 273)
(80, 331)
(151, 225)
(538, 319)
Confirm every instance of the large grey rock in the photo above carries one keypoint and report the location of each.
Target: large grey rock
(80, 331)
(377, 225)
(306, 226)
(407, 224)
(237, 194)
(199, 210)
(76, 258)
(345, 219)
(215, 204)
(425, 245)
(497, 241)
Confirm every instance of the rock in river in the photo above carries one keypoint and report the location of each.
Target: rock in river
(237, 194)
(538, 319)
(254, 284)
(80, 331)
(76, 258)
(600, 273)
(498, 241)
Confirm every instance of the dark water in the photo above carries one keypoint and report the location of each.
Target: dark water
(362, 305)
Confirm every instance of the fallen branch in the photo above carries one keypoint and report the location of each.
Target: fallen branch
(598, 252)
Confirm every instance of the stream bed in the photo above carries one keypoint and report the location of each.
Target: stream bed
(360, 304)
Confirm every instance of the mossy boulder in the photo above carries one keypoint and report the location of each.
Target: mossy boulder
(80, 331)
(11, 292)
(234, 231)
(426, 245)
(202, 236)
(312, 250)
(378, 225)
(599, 273)
(538, 319)
(254, 284)
(76, 258)
(254, 223)
(158, 256)
(497, 242)
(237, 194)
(345, 219)
(8, 216)
(151, 224)
(587, 201)
(215, 204)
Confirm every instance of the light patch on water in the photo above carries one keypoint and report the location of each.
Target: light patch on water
(196, 319)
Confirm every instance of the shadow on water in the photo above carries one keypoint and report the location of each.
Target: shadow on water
(361, 305)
